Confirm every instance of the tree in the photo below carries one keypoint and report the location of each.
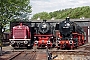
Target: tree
(11, 10)
(71, 12)
(42, 15)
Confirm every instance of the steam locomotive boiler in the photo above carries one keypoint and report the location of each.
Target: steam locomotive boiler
(20, 35)
(44, 35)
(70, 35)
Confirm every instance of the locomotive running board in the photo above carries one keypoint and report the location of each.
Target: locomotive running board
(19, 39)
(43, 35)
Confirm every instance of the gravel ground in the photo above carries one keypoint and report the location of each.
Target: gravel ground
(72, 57)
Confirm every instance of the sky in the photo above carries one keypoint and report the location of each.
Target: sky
(54, 5)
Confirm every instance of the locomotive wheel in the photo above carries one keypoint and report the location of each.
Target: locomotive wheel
(60, 46)
(53, 45)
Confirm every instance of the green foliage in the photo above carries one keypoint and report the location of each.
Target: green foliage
(71, 12)
(11, 9)
(42, 15)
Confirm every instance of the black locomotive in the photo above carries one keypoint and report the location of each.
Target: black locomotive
(44, 34)
(71, 35)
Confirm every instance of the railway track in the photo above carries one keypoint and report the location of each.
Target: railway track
(24, 56)
(41, 55)
(72, 52)
(71, 55)
(81, 53)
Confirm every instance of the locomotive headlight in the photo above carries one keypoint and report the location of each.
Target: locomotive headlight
(70, 42)
(13, 37)
(34, 37)
(48, 42)
(71, 38)
(12, 42)
(25, 42)
(58, 38)
(25, 37)
(36, 42)
(52, 37)
(68, 24)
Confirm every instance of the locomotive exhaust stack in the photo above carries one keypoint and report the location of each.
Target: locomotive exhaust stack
(67, 19)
